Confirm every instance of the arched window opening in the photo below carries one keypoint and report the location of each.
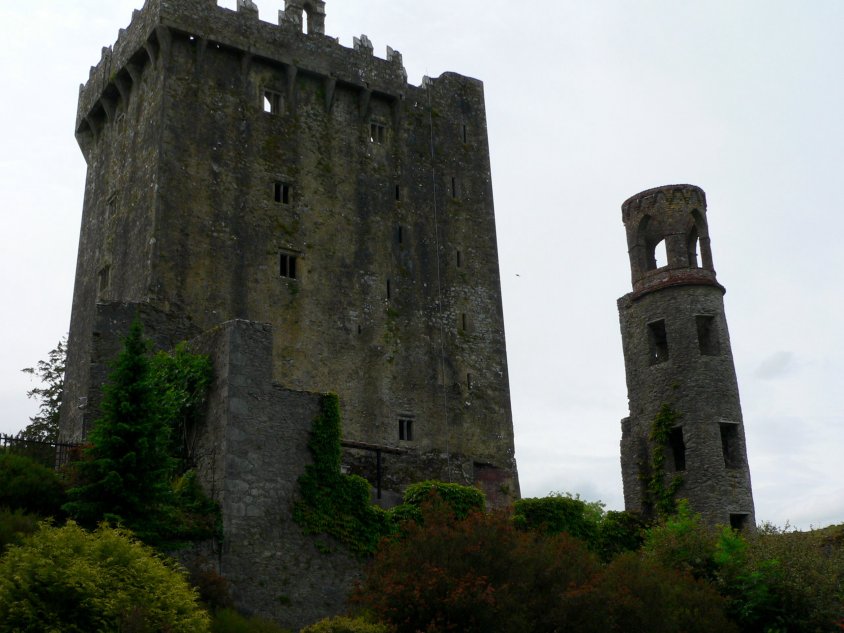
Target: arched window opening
(693, 246)
(657, 256)
(307, 19)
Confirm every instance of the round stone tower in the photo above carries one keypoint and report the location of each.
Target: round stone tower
(679, 365)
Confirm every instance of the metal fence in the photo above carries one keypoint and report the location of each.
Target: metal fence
(50, 454)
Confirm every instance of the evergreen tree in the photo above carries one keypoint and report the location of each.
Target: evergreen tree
(125, 474)
(44, 427)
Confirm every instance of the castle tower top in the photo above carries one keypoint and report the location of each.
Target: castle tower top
(669, 219)
(314, 14)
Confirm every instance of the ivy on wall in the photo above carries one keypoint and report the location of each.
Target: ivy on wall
(331, 502)
(660, 494)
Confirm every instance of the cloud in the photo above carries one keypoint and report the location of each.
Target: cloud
(776, 365)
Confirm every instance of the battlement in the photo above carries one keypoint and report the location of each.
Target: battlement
(290, 44)
(674, 196)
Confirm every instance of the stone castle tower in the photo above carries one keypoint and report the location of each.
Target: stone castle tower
(677, 353)
(240, 169)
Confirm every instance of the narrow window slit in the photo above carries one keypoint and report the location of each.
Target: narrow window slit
(730, 446)
(707, 335)
(405, 430)
(658, 342)
(287, 266)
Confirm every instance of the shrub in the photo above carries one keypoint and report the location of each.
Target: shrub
(620, 532)
(66, 579)
(479, 574)
(461, 499)
(27, 485)
(555, 514)
(776, 580)
(343, 624)
(683, 543)
(640, 595)
(230, 621)
(14, 526)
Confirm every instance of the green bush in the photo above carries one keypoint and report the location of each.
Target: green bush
(15, 525)
(66, 579)
(230, 621)
(461, 499)
(620, 532)
(342, 624)
(27, 485)
(556, 514)
(683, 543)
(782, 581)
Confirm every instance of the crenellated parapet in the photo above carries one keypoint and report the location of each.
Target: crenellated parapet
(296, 44)
(676, 216)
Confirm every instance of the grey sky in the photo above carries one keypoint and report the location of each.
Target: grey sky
(588, 103)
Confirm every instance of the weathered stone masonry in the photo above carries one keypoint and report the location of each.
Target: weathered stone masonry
(314, 223)
(677, 352)
(240, 169)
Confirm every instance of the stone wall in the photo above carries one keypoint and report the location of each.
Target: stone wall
(251, 452)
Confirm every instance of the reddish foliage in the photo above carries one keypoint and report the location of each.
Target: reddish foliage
(481, 574)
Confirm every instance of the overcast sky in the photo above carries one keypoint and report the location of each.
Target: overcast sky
(588, 103)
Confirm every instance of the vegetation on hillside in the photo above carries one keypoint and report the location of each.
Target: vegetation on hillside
(438, 562)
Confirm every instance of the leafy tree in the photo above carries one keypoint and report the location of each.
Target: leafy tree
(67, 579)
(126, 472)
(181, 380)
(44, 427)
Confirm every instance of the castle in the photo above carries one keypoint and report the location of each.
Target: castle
(239, 169)
(678, 359)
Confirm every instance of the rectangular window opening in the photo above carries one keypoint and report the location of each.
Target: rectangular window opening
(272, 102)
(389, 290)
(463, 321)
(111, 205)
(377, 133)
(287, 266)
(658, 342)
(738, 521)
(281, 193)
(678, 448)
(400, 236)
(405, 430)
(453, 187)
(104, 278)
(458, 259)
(730, 445)
(465, 135)
(707, 335)
(398, 193)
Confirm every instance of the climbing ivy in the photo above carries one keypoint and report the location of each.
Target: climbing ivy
(661, 495)
(331, 502)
